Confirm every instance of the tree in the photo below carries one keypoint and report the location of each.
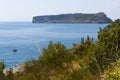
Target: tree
(109, 44)
(2, 66)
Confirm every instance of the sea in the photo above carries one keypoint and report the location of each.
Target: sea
(29, 39)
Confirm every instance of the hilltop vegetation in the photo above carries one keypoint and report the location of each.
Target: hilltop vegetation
(87, 60)
(73, 18)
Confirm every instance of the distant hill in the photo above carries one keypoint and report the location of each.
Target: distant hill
(73, 18)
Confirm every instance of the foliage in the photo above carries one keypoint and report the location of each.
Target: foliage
(108, 50)
(2, 66)
(112, 73)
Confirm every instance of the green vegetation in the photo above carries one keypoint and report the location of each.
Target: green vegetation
(112, 73)
(87, 60)
(73, 18)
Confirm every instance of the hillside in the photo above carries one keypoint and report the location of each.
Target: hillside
(73, 18)
(87, 60)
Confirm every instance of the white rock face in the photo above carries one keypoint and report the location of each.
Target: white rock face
(17, 68)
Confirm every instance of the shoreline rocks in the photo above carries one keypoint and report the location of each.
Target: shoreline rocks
(15, 69)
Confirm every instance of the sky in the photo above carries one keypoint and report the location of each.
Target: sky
(24, 10)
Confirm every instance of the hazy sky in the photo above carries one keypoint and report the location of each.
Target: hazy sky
(24, 10)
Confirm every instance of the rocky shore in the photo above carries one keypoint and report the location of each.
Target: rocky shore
(15, 69)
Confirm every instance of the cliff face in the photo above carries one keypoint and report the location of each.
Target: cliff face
(73, 18)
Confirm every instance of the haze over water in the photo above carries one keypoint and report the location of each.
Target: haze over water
(26, 36)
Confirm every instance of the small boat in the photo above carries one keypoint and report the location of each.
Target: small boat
(14, 50)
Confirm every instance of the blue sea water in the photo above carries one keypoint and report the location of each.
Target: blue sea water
(26, 36)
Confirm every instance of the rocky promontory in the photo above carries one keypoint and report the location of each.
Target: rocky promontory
(73, 18)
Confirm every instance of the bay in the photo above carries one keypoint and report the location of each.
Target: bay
(25, 37)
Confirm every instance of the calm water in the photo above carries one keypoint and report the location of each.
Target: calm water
(26, 36)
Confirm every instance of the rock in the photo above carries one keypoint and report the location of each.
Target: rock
(15, 69)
